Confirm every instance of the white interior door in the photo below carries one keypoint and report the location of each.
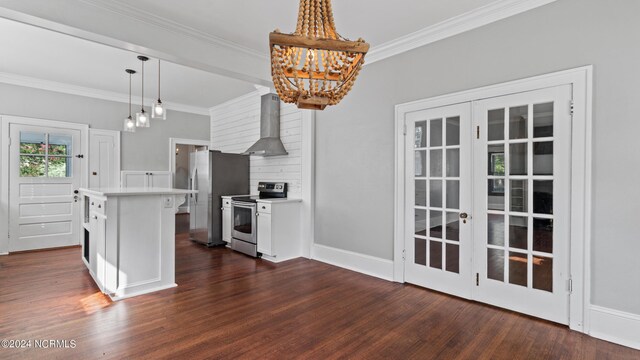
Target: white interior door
(522, 202)
(43, 175)
(438, 198)
(104, 158)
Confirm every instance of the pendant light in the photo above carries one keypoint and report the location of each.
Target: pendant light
(142, 118)
(129, 124)
(157, 110)
(315, 66)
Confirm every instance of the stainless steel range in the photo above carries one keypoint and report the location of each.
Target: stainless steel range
(244, 230)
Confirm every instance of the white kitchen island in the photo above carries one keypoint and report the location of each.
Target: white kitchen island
(129, 238)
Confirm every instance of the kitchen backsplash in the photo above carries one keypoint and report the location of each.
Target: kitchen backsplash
(235, 126)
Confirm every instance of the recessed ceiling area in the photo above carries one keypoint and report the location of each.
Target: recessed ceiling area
(46, 55)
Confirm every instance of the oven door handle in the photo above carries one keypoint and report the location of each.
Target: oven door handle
(250, 207)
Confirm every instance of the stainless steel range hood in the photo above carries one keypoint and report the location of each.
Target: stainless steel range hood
(269, 143)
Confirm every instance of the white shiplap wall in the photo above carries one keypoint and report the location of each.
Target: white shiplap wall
(235, 126)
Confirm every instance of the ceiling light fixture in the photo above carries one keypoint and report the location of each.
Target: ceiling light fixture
(315, 66)
(129, 124)
(142, 119)
(158, 110)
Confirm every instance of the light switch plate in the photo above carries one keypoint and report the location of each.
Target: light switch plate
(168, 202)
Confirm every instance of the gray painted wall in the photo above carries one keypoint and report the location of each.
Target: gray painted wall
(146, 149)
(355, 153)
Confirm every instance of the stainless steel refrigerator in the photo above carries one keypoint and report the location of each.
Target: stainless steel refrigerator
(214, 174)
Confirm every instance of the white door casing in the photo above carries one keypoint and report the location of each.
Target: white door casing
(580, 180)
(438, 199)
(44, 172)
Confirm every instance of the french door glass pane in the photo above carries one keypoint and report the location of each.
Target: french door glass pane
(436, 163)
(518, 232)
(496, 125)
(435, 218)
(518, 159)
(421, 193)
(453, 258)
(452, 231)
(435, 133)
(495, 264)
(543, 196)
(543, 158)
(420, 167)
(420, 137)
(435, 254)
(496, 160)
(543, 235)
(420, 251)
(453, 194)
(435, 193)
(420, 222)
(519, 193)
(496, 194)
(453, 131)
(453, 162)
(543, 273)
(543, 120)
(495, 229)
(518, 122)
(518, 268)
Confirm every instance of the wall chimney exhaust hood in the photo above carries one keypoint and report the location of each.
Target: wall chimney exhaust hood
(269, 143)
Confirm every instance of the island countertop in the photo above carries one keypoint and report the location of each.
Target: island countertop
(134, 191)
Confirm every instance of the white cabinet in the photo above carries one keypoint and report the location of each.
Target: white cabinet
(104, 158)
(279, 229)
(226, 219)
(146, 179)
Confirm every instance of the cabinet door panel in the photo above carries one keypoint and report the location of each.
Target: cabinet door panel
(226, 224)
(265, 242)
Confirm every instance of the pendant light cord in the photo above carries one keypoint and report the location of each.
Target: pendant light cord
(158, 79)
(142, 101)
(130, 95)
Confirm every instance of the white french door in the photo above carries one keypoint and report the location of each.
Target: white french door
(487, 200)
(438, 198)
(522, 202)
(43, 175)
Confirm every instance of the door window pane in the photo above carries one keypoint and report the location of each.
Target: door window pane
(519, 192)
(435, 193)
(421, 193)
(453, 258)
(435, 254)
(518, 268)
(436, 163)
(495, 227)
(543, 273)
(496, 194)
(32, 166)
(33, 143)
(496, 125)
(453, 194)
(420, 136)
(496, 160)
(543, 120)
(453, 131)
(420, 256)
(60, 144)
(435, 218)
(435, 135)
(453, 226)
(518, 122)
(495, 264)
(543, 196)
(518, 232)
(453, 162)
(420, 222)
(59, 166)
(420, 167)
(543, 235)
(543, 158)
(518, 159)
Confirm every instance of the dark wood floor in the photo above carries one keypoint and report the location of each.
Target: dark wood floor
(231, 306)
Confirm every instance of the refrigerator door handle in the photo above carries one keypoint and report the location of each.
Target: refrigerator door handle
(195, 183)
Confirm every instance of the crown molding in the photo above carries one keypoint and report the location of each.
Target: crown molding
(476, 18)
(240, 99)
(122, 8)
(31, 82)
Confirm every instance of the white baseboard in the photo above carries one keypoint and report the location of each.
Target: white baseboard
(369, 265)
(615, 326)
(6, 253)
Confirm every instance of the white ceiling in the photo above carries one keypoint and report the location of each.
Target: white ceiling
(248, 22)
(43, 54)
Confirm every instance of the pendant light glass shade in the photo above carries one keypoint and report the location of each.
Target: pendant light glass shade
(129, 124)
(142, 118)
(158, 110)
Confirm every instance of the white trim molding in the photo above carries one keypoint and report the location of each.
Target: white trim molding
(473, 19)
(581, 176)
(64, 88)
(615, 326)
(365, 264)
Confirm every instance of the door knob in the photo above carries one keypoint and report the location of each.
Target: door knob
(464, 215)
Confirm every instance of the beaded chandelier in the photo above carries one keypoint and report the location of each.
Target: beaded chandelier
(315, 66)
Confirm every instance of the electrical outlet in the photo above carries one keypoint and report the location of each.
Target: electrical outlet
(168, 202)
